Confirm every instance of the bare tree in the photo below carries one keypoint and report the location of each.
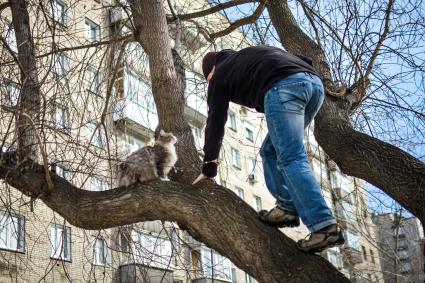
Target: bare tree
(217, 219)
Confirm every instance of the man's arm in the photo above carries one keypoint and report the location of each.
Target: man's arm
(218, 104)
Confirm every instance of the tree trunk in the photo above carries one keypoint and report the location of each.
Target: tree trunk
(29, 101)
(167, 83)
(396, 172)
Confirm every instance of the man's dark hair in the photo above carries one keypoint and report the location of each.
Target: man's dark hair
(208, 63)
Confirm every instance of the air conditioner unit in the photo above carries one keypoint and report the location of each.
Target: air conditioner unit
(252, 179)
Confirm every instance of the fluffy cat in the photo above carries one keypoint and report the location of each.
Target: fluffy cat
(150, 162)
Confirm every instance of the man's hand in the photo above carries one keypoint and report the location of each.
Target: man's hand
(200, 178)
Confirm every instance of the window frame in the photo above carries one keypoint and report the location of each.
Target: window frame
(20, 239)
(64, 247)
(104, 255)
(90, 26)
(62, 20)
(236, 158)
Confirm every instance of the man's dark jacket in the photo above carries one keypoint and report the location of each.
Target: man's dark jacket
(243, 77)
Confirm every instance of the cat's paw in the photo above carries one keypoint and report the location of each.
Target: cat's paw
(164, 179)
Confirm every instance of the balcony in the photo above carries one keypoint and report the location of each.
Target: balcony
(132, 273)
(135, 108)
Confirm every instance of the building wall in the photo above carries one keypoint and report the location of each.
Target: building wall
(400, 252)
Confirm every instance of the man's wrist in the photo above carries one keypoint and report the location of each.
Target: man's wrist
(209, 169)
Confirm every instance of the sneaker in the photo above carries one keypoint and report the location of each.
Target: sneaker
(327, 237)
(278, 217)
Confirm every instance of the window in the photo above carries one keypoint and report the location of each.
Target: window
(93, 80)
(257, 203)
(372, 256)
(60, 237)
(196, 132)
(151, 250)
(63, 172)
(91, 31)
(402, 254)
(11, 94)
(214, 265)
(240, 192)
(11, 232)
(328, 198)
(334, 257)
(249, 278)
(249, 134)
(175, 240)
(352, 240)
(97, 136)
(347, 211)
(252, 170)
(405, 267)
(232, 121)
(100, 250)
(10, 37)
(236, 158)
(61, 64)
(364, 253)
(234, 279)
(98, 184)
(62, 118)
(58, 10)
(133, 144)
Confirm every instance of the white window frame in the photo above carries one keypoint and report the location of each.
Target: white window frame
(91, 31)
(12, 232)
(352, 240)
(97, 136)
(93, 81)
(60, 242)
(10, 36)
(257, 203)
(61, 118)
(63, 172)
(61, 64)
(100, 251)
(232, 121)
(150, 249)
(236, 158)
(58, 11)
(240, 192)
(196, 132)
(98, 184)
(249, 133)
(11, 94)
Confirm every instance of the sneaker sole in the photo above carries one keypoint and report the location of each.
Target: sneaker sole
(320, 248)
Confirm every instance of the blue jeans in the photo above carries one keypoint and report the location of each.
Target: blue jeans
(290, 105)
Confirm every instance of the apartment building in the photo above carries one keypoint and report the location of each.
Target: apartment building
(401, 247)
(87, 139)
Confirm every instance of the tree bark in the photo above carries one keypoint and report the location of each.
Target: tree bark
(389, 168)
(30, 97)
(212, 214)
(167, 83)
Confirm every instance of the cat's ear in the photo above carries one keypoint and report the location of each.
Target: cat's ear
(162, 133)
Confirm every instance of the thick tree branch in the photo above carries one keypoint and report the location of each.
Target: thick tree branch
(212, 214)
(389, 168)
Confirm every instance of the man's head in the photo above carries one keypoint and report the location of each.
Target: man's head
(208, 64)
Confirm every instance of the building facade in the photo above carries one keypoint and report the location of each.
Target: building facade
(401, 248)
